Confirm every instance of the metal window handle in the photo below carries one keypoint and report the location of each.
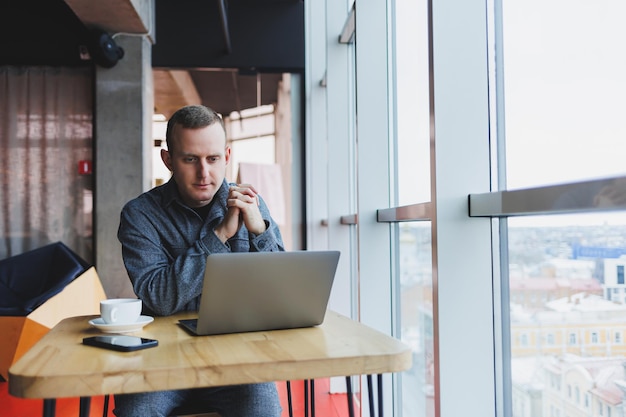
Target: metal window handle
(349, 219)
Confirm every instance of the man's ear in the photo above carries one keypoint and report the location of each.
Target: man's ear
(227, 154)
(167, 159)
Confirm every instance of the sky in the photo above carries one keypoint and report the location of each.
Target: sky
(565, 95)
(564, 90)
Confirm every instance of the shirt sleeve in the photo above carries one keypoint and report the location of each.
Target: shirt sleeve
(271, 240)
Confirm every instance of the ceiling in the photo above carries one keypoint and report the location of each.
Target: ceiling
(224, 90)
(226, 54)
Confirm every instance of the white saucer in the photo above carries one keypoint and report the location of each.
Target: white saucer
(121, 327)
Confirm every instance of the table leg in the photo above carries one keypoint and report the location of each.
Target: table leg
(85, 405)
(309, 395)
(289, 400)
(349, 395)
(380, 395)
(370, 393)
(105, 408)
(49, 407)
(312, 385)
(306, 398)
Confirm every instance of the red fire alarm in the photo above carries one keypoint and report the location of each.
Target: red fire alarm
(84, 167)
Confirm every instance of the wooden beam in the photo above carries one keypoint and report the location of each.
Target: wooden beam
(116, 16)
(173, 89)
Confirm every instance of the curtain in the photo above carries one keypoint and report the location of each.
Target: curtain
(45, 158)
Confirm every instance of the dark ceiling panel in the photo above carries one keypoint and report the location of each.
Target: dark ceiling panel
(40, 32)
(266, 35)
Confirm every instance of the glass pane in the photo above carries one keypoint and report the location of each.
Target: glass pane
(413, 186)
(251, 135)
(564, 95)
(412, 102)
(416, 317)
(257, 121)
(259, 150)
(567, 315)
(565, 90)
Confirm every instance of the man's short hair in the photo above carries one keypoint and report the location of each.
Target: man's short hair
(191, 117)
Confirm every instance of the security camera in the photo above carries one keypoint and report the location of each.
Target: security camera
(103, 49)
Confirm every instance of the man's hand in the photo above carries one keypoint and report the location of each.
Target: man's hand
(243, 208)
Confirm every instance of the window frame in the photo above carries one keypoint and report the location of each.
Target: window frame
(468, 213)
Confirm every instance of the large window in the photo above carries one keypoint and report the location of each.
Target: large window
(489, 144)
(412, 140)
(564, 90)
(564, 95)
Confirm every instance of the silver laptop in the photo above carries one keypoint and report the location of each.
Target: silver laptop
(253, 291)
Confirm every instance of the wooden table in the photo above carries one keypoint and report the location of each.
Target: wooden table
(59, 365)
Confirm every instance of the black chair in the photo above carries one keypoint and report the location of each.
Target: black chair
(29, 279)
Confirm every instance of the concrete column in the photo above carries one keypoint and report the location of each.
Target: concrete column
(285, 156)
(124, 102)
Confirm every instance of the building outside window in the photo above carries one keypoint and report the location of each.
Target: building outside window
(551, 75)
(594, 337)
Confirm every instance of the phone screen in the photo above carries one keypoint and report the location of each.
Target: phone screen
(120, 342)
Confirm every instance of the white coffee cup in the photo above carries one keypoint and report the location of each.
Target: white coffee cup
(120, 310)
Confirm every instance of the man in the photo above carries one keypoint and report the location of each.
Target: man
(166, 235)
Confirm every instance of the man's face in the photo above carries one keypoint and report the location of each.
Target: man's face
(198, 162)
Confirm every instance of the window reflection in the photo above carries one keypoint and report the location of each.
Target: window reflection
(416, 317)
(567, 309)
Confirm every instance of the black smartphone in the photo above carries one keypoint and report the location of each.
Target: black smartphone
(120, 343)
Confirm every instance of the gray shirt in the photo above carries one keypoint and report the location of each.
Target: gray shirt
(165, 244)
